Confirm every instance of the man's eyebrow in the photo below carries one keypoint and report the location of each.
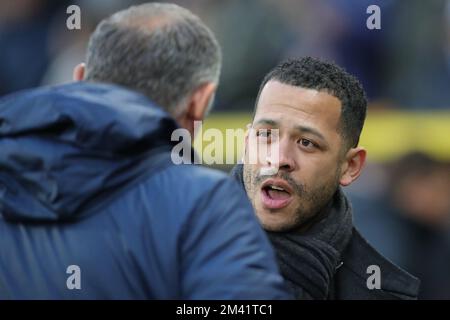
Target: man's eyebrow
(300, 128)
(269, 122)
(306, 129)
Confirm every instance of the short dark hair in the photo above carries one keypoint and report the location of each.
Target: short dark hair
(312, 73)
(161, 50)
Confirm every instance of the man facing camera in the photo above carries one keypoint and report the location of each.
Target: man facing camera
(317, 111)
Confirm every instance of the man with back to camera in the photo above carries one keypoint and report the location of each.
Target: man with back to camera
(91, 206)
(319, 112)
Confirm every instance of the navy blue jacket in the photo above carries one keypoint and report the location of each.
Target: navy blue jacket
(86, 180)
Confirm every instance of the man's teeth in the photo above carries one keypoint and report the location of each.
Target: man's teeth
(276, 188)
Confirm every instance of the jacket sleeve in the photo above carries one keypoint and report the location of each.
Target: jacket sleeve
(225, 253)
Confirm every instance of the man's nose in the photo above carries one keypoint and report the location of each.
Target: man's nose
(286, 156)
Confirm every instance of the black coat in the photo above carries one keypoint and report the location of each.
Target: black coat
(350, 280)
(333, 261)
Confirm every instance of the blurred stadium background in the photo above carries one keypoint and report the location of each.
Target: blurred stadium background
(402, 201)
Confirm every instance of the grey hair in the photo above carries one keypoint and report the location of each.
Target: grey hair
(161, 50)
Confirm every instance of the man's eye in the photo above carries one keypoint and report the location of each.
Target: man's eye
(306, 143)
(264, 133)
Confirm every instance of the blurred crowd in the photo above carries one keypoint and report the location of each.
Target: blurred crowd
(405, 64)
(403, 207)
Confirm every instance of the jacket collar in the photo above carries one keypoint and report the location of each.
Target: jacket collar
(359, 255)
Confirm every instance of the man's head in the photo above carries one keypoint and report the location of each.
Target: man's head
(160, 50)
(319, 110)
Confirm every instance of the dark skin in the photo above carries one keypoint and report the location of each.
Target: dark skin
(313, 158)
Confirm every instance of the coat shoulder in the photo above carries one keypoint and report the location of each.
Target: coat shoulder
(352, 277)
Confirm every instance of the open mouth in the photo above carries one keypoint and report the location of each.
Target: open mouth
(276, 194)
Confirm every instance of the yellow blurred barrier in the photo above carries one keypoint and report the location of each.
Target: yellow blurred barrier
(386, 134)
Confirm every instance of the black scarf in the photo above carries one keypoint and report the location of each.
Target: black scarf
(309, 260)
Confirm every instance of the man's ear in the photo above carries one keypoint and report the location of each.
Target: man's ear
(197, 106)
(78, 72)
(200, 100)
(352, 165)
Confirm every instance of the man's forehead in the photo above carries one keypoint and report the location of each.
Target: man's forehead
(277, 93)
(291, 105)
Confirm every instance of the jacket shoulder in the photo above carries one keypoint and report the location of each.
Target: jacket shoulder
(197, 177)
(184, 190)
(352, 276)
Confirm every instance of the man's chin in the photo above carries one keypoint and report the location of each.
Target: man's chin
(277, 228)
(274, 221)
